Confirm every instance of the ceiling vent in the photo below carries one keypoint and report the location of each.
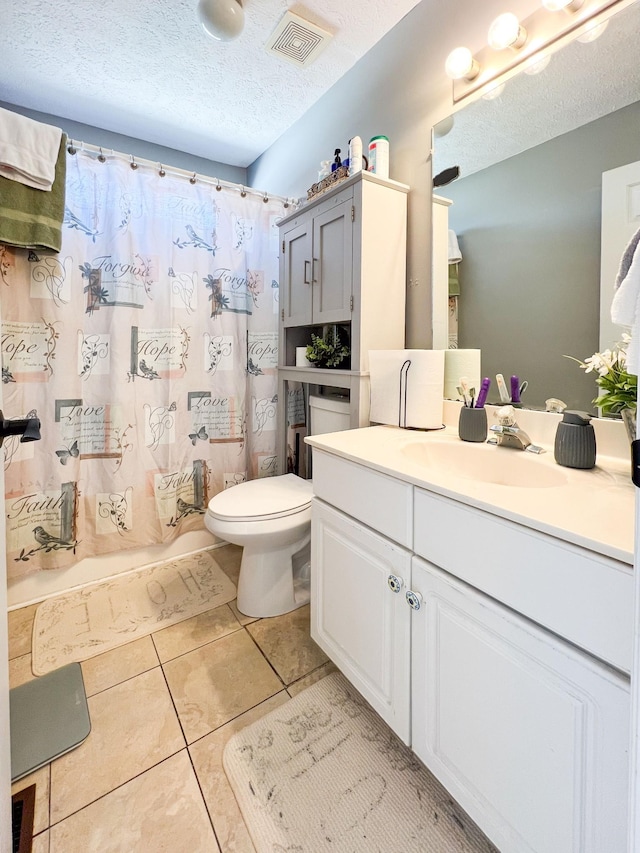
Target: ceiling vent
(297, 40)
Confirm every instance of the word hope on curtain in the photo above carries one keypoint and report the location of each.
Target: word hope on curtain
(148, 349)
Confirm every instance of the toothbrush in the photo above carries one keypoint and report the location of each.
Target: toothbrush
(502, 389)
(464, 384)
(515, 389)
(484, 390)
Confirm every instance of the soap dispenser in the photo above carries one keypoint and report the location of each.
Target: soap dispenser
(575, 444)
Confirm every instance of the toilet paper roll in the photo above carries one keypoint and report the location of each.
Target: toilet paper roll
(457, 363)
(301, 357)
(424, 387)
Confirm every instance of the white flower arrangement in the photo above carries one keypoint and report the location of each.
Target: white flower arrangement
(619, 388)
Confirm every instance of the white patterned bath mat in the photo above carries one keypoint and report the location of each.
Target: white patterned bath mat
(324, 773)
(89, 621)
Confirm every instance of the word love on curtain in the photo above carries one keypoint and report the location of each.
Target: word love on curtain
(148, 349)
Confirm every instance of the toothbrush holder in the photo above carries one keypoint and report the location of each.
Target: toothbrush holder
(472, 425)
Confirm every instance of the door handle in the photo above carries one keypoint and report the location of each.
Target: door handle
(313, 269)
(306, 280)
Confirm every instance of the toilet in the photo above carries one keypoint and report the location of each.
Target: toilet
(271, 519)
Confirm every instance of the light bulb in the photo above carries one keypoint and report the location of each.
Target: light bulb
(494, 93)
(460, 64)
(593, 32)
(221, 19)
(562, 5)
(506, 31)
(536, 64)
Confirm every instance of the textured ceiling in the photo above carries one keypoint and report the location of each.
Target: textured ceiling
(145, 68)
(582, 83)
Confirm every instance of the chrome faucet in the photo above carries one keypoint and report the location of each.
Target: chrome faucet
(507, 433)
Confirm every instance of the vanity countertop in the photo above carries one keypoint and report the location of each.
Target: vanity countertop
(593, 509)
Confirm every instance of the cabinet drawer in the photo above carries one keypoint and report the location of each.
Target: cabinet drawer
(580, 595)
(380, 502)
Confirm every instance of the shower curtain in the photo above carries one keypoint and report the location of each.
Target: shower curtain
(148, 349)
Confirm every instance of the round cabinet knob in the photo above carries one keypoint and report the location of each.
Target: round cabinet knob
(414, 599)
(395, 583)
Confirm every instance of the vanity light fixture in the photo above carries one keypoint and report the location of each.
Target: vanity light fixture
(507, 32)
(223, 20)
(494, 92)
(536, 64)
(461, 65)
(515, 45)
(562, 5)
(593, 32)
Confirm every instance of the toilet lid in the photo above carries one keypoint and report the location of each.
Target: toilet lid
(269, 497)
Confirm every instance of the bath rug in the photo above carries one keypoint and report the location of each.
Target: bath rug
(324, 773)
(89, 621)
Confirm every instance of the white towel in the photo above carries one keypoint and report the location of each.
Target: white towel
(455, 255)
(28, 150)
(625, 308)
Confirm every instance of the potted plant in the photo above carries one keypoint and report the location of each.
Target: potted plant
(327, 350)
(619, 389)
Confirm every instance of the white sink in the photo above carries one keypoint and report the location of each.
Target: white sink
(486, 463)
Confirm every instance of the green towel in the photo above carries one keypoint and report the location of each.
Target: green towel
(454, 280)
(30, 218)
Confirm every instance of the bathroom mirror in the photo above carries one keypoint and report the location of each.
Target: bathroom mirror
(527, 209)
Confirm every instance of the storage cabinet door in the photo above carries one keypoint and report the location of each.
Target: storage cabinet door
(526, 732)
(332, 264)
(295, 284)
(356, 618)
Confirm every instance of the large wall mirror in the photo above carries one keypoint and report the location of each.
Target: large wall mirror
(527, 209)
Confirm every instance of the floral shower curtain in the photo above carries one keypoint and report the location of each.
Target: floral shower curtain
(148, 349)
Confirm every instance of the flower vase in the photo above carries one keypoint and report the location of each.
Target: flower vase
(629, 418)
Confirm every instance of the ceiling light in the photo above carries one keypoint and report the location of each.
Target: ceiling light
(461, 65)
(593, 32)
(221, 19)
(562, 5)
(506, 31)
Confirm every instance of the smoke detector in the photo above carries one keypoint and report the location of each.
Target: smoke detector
(298, 40)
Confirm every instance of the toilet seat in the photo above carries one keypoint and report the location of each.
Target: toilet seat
(262, 500)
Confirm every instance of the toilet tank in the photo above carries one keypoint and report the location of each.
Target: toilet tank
(328, 414)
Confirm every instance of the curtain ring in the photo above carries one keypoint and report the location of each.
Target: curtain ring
(243, 193)
(218, 187)
(265, 197)
(71, 147)
(192, 179)
(101, 157)
(162, 172)
(286, 203)
(133, 163)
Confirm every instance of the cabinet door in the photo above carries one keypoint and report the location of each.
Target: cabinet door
(295, 286)
(332, 264)
(356, 618)
(526, 732)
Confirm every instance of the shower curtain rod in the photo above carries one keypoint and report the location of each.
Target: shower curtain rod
(162, 169)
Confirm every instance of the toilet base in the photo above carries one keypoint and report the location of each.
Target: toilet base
(266, 587)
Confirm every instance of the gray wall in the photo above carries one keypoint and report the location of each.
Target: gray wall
(529, 232)
(138, 147)
(399, 89)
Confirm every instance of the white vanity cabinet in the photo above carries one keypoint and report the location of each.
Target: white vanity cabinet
(526, 730)
(359, 618)
(528, 733)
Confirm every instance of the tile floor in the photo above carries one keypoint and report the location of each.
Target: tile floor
(149, 777)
